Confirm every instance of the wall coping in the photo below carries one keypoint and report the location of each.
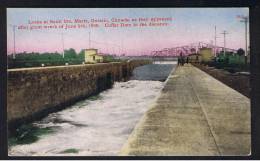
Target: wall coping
(63, 66)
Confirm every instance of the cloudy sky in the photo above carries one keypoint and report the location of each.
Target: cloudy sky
(189, 25)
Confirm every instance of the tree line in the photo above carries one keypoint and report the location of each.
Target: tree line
(36, 59)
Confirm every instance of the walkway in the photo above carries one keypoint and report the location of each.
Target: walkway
(194, 115)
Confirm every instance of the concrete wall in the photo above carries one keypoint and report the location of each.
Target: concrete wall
(35, 92)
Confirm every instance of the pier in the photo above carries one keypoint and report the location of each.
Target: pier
(195, 115)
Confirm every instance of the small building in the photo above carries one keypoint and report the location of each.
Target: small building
(92, 56)
(194, 58)
(206, 54)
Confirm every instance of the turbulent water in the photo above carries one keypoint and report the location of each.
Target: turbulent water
(96, 126)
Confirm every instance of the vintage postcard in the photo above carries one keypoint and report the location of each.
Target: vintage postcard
(128, 82)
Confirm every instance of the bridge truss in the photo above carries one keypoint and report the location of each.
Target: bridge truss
(188, 49)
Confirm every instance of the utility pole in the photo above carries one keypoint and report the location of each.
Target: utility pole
(224, 33)
(244, 19)
(122, 46)
(106, 45)
(14, 52)
(113, 49)
(215, 49)
(89, 41)
(62, 41)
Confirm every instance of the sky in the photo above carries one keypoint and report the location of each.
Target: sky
(188, 25)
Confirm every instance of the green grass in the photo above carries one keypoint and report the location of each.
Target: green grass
(71, 150)
(27, 134)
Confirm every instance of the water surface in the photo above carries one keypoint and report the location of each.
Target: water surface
(101, 124)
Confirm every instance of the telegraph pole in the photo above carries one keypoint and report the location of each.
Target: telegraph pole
(62, 41)
(215, 49)
(14, 52)
(89, 41)
(244, 19)
(122, 46)
(224, 33)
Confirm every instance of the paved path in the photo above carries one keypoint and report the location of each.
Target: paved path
(194, 115)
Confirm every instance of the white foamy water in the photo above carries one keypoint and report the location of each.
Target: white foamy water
(94, 127)
(165, 62)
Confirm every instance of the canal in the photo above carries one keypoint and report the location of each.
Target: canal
(99, 125)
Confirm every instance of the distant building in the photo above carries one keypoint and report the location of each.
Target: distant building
(92, 56)
(194, 58)
(206, 54)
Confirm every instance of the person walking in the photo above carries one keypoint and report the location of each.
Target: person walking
(187, 60)
(181, 59)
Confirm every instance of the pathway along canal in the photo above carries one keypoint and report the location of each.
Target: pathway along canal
(99, 125)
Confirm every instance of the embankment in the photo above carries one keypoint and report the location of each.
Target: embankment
(34, 92)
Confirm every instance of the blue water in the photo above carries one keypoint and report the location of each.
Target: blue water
(155, 72)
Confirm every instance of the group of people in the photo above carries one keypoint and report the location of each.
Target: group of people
(181, 60)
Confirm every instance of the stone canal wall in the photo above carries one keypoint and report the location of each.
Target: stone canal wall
(35, 92)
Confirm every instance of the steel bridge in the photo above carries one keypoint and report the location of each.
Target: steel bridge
(188, 49)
